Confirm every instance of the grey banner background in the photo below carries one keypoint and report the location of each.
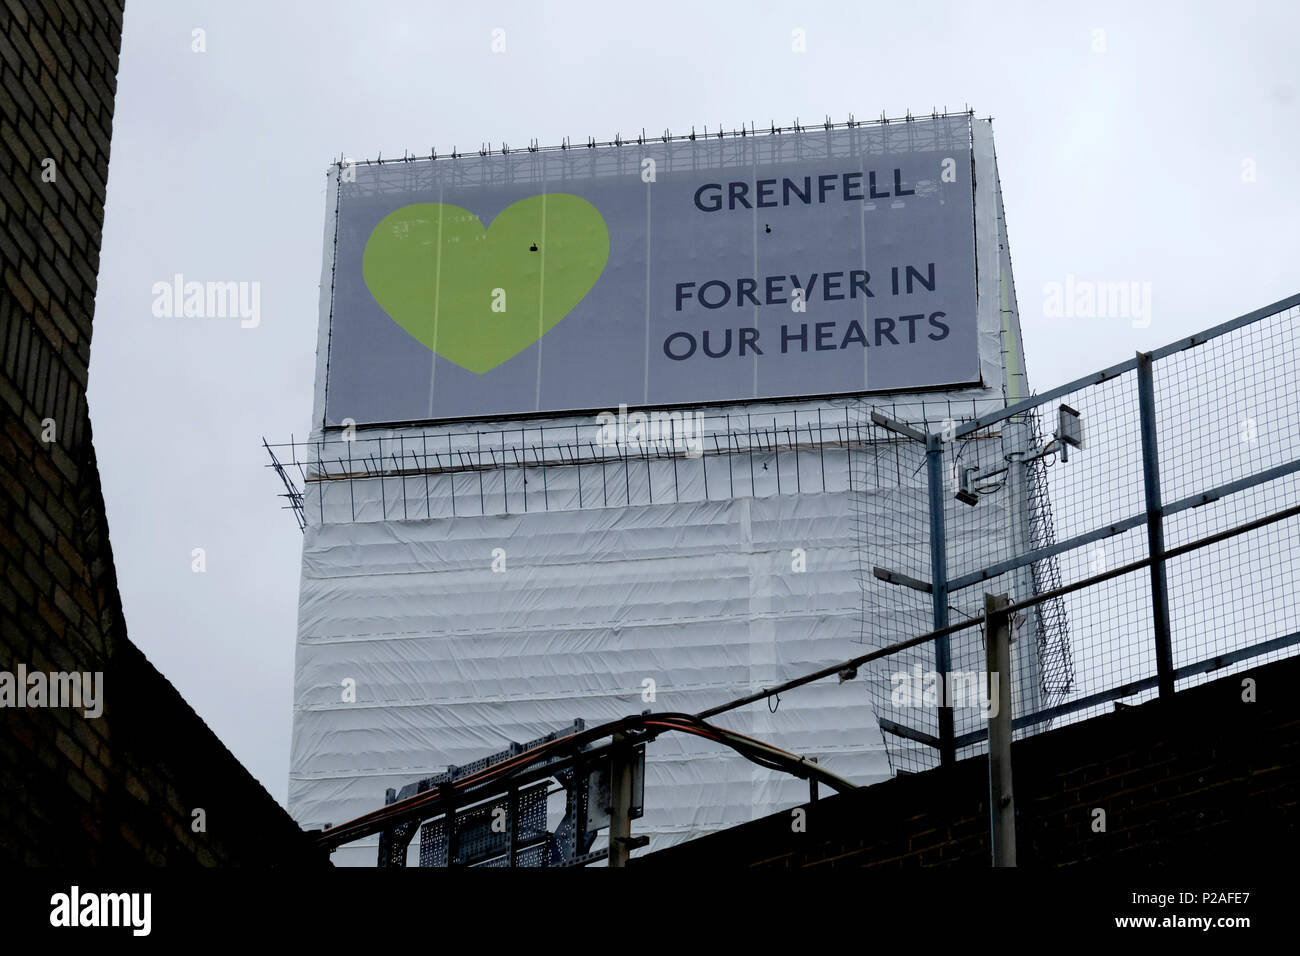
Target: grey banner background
(609, 350)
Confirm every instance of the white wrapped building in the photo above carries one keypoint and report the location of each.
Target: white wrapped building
(468, 583)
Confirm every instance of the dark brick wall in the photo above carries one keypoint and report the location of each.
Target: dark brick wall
(1205, 778)
(120, 788)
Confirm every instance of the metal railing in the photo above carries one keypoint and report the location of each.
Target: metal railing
(452, 470)
(1187, 479)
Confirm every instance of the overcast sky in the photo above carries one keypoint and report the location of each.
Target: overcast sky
(1151, 143)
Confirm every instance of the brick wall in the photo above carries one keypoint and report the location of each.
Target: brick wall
(1206, 778)
(123, 787)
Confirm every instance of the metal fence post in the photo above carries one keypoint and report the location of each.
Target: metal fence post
(1002, 805)
(939, 590)
(1155, 524)
(620, 801)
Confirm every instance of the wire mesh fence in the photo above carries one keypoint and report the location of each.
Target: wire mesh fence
(1231, 413)
(1215, 452)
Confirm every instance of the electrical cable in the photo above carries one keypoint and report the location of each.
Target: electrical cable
(756, 751)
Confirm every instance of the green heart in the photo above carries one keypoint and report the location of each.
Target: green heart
(477, 296)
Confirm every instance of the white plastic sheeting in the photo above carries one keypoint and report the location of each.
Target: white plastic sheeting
(453, 660)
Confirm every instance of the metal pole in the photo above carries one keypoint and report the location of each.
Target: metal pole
(1029, 685)
(453, 835)
(939, 590)
(512, 842)
(620, 801)
(1002, 806)
(1155, 524)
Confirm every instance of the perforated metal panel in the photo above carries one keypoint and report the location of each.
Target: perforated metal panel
(478, 843)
